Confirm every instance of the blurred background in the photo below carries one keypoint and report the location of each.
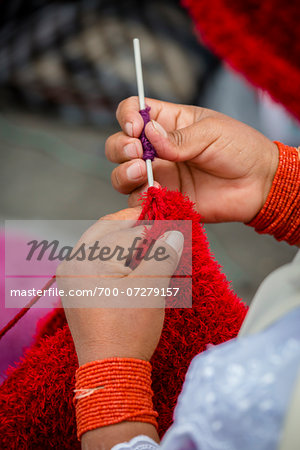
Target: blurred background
(65, 66)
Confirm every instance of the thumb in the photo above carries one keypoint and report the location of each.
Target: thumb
(182, 144)
(166, 253)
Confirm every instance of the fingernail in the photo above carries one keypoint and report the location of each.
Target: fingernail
(146, 187)
(159, 129)
(130, 151)
(134, 171)
(176, 240)
(128, 127)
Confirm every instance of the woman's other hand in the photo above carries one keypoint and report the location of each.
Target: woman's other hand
(116, 325)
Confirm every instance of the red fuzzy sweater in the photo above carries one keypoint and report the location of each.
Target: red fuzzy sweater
(36, 409)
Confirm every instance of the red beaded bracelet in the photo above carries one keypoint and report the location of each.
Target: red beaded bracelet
(280, 215)
(111, 391)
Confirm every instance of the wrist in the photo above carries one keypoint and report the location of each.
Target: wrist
(106, 437)
(97, 351)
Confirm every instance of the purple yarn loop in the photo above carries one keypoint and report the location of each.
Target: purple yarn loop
(149, 150)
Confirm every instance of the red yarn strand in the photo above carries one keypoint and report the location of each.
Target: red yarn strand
(26, 308)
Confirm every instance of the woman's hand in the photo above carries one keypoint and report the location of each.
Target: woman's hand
(116, 326)
(124, 326)
(225, 166)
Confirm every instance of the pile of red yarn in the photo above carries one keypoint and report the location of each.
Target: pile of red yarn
(36, 409)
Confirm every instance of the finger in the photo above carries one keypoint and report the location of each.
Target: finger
(164, 173)
(170, 115)
(129, 176)
(120, 148)
(135, 198)
(185, 143)
(129, 117)
(123, 219)
(132, 123)
(166, 253)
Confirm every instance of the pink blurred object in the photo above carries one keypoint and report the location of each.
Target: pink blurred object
(20, 337)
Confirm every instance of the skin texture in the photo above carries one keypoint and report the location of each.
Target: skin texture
(203, 153)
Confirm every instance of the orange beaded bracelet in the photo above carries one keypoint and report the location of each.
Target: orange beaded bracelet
(280, 215)
(111, 391)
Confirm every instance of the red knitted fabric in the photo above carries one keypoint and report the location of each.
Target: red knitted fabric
(260, 39)
(36, 409)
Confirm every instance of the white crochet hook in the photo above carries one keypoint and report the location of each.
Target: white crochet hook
(141, 94)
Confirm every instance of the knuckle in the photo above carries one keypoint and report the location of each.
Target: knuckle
(178, 137)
